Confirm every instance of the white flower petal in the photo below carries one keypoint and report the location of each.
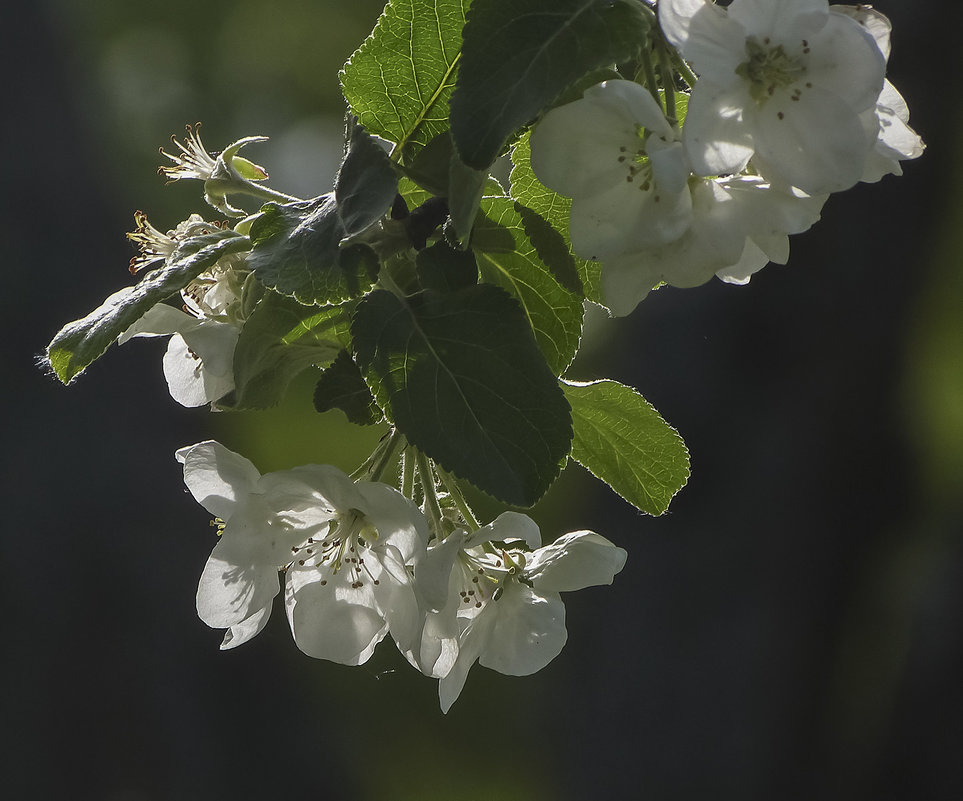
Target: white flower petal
(716, 139)
(816, 143)
(574, 561)
(845, 60)
(234, 584)
(704, 34)
(529, 631)
(246, 629)
(187, 380)
(873, 22)
(218, 478)
(783, 21)
(333, 621)
(472, 640)
(160, 320)
(214, 343)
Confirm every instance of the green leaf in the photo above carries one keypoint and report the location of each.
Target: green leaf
(507, 258)
(366, 184)
(519, 55)
(554, 208)
(81, 342)
(443, 268)
(342, 386)
(622, 440)
(297, 252)
(463, 380)
(465, 189)
(399, 81)
(280, 339)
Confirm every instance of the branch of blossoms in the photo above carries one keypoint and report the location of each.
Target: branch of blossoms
(725, 134)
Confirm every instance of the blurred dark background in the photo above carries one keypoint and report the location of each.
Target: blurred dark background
(791, 629)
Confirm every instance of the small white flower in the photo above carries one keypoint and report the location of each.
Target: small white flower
(780, 81)
(503, 607)
(614, 153)
(344, 547)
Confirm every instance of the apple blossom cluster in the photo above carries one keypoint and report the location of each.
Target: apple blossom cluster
(790, 104)
(361, 561)
(428, 299)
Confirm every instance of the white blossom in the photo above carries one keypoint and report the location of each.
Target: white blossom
(614, 153)
(500, 602)
(782, 82)
(344, 546)
(739, 224)
(199, 362)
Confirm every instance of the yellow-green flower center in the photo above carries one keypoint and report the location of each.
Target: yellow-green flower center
(770, 68)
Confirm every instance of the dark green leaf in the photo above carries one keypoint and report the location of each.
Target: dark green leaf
(366, 184)
(297, 251)
(81, 342)
(280, 339)
(462, 378)
(399, 81)
(443, 268)
(342, 386)
(519, 55)
(622, 440)
(554, 208)
(465, 189)
(506, 257)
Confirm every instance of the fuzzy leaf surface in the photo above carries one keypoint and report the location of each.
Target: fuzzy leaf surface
(81, 342)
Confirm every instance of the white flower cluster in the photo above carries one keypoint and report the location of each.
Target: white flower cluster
(360, 561)
(790, 104)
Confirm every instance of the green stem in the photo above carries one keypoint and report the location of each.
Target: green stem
(379, 457)
(648, 70)
(456, 495)
(408, 473)
(263, 192)
(668, 84)
(683, 69)
(387, 454)
(432, 508)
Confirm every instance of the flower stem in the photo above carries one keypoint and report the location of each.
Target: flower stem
(408, 473)
(668, 84)
(456, 495)
(432, 509)
(263, 192)
(373, 467)
(648, 71)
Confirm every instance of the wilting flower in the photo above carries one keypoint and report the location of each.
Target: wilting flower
(221, 173)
